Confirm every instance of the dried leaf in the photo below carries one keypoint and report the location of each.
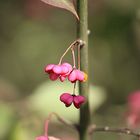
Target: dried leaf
(65, 4)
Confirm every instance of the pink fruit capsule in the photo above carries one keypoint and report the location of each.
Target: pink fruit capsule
(67, 99)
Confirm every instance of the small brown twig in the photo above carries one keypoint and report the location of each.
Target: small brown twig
(126, 131)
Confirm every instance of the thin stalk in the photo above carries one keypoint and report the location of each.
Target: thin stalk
(74, 88)
(82, 33)
(79, 56)
(73, 58)
(70, 47)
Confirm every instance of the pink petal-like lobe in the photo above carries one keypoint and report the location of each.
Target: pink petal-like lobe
(72, 76)
(42, 138)
(80, 75)
(68, 66)
(62, 78)
(49, 68)
(67, 99)
(53, 76)
(78, 100)
(57, 69)
(65, 69)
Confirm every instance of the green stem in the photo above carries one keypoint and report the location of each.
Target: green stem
(82, 33)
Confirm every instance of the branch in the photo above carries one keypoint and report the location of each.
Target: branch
(62, 120)
(107, 129)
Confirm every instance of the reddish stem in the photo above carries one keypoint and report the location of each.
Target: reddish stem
(46, 127)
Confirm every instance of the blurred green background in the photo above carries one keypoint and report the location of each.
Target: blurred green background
(33, 34)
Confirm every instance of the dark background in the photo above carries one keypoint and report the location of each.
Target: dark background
(33, 34)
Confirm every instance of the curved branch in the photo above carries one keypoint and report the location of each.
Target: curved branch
(62, 120)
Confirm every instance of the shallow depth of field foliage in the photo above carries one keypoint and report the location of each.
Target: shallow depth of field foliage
(33, 34)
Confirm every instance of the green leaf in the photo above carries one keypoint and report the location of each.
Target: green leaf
(65, 4)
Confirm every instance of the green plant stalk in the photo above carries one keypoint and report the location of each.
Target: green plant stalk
(82, 33)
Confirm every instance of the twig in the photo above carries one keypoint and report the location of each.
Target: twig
(125, 131)
(62, 120)
(72, 45)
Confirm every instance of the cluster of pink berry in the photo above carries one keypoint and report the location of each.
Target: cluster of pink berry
(63, 71)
